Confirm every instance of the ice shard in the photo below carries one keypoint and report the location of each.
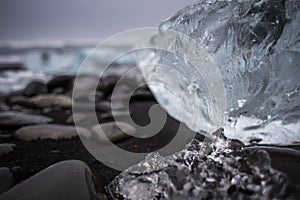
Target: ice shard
(219, 169)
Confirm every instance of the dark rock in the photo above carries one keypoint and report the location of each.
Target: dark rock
(89, 98)
(119, 101)
(6, 179)
(58, 114)
(13, 119)
(3, 106)
(51, 131)
(84, 107)
(63, 81)
(107, 84)
(84, 119)
(35, 88)
(85, 84)
(70, 179)
(103, 106)
(78, 117)
(19, 100)
(118, 114)
(112, 131)
(24, 109)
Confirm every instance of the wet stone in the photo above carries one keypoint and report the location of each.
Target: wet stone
(3, 107)
(6, 179)
(19, 119)
(107, 84)
(87, 98)
(78, 117)
(112, 131)
(115, 114)
(71, 179)
(6, 148)
(84, 107)
(53, 131)
(84, 120)
(65, 82)
(43, 101)
(19, 100)
(84, 84)
(35, 88)
(103, 106)
(24, 109)
(58, 114)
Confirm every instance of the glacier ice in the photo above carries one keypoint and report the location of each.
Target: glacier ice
(216, 169)
(255, 47)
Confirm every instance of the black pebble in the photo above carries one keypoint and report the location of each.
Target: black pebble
(35, 88)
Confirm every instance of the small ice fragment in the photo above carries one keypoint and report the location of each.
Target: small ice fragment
(241, 102)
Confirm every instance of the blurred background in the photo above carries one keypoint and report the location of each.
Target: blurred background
(40, 20)
(40, 39)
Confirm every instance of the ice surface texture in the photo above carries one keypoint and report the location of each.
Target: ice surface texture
(255, 45)
(215, 169)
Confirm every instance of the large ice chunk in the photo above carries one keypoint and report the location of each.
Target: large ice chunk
(255, 47)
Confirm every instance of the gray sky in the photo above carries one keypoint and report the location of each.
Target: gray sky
(80, 19)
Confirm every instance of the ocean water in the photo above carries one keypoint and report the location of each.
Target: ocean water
(42, 61)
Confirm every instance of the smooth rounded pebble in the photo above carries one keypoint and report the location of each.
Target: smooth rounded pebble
(35, 88)
(86, 98)
(78, 117)
(103, 106)
(84, 84)
(71, 179)
(6, 148)
(112, 131)
(62, 81)
(6, 179)
(51, 131)
(19, 119)
(107, 84)
(116, 114)
(43, 101)
(3, 106)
